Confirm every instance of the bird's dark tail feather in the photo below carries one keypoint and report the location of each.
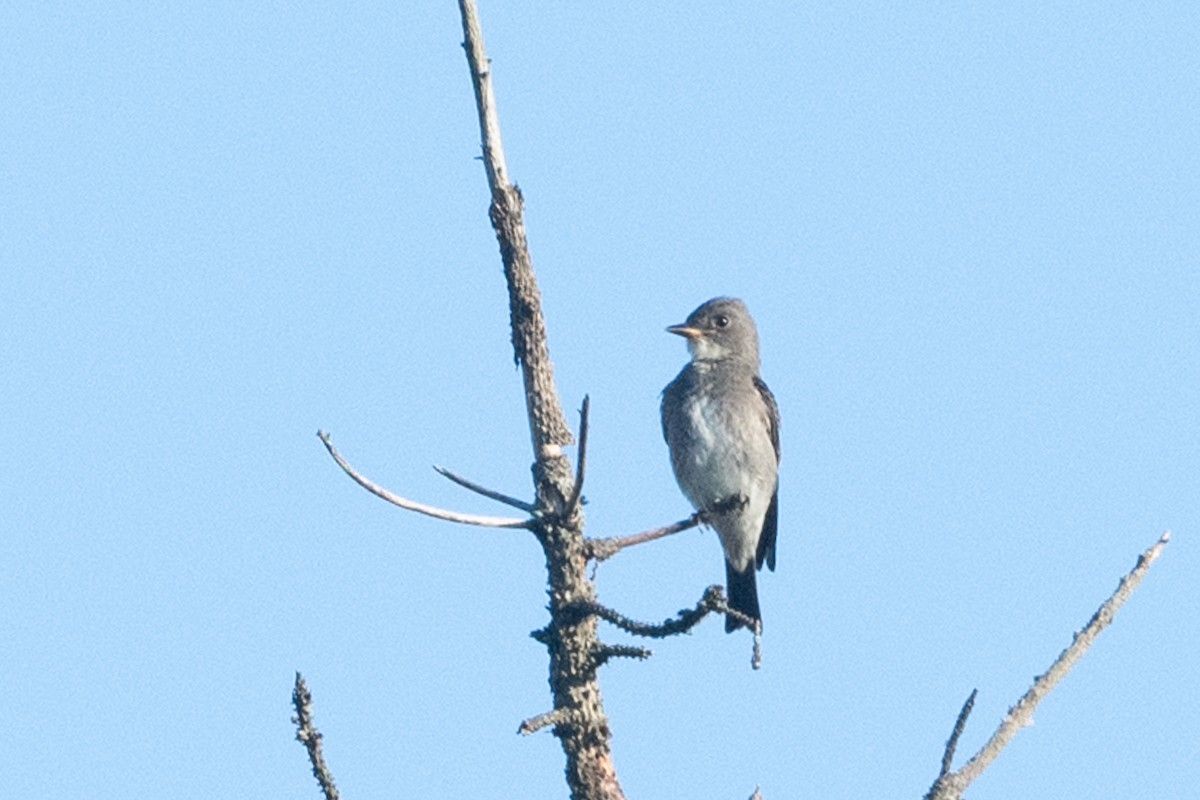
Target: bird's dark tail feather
(743, 596)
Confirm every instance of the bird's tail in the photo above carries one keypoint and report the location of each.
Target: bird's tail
(743, 595)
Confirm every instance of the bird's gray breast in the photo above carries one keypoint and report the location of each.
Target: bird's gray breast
(718, 440)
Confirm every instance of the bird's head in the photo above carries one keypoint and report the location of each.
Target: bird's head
(720, 329)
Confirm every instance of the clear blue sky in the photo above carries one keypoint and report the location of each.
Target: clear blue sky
(970, 237)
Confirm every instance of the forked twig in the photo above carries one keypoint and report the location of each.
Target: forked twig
(412, 505)
(951, 785)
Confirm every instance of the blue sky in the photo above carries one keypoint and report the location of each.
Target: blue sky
(970, 239)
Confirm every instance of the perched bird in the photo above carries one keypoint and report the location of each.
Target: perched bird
(721, 424)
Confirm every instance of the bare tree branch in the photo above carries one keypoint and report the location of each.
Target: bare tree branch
(547, 425)
(602, 549)
(485, 97)
(712, 601)
(308, 735)
(578, 717)
(412, 505)
(952, 742)
(607, 652)
(580, 459)
(950, 786)
(491, 494)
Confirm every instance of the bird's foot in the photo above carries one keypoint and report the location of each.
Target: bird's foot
(735, 502)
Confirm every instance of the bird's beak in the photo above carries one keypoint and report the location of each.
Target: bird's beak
(685, 331)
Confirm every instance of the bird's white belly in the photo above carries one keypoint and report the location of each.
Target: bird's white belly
(721, 467)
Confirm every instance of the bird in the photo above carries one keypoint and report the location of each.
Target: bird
(721, 425)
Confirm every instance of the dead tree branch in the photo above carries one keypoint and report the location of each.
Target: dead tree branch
(547, 425)
(308, 735)
(491, 494)
(601, 549)
(952, 742)
(413, 505)
(534, 724)
(951, 785)
(578, 716)
(712, 601)
(580, 459)
(607, 652)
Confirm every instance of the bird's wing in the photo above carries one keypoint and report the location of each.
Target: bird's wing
(772, 413)
(672, 401)
(770, 529)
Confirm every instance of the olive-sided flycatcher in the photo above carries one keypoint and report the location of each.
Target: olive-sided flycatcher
(721, 424)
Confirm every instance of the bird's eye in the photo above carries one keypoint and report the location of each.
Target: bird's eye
(722, 321)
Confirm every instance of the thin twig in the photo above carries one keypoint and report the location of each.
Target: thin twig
(952, 742)
(605, 652)
(534, 724)
(601, 549)
(412, 505)
(485, 100)
(491, 494)
(580, 460)
(952, 785)
(308, 735)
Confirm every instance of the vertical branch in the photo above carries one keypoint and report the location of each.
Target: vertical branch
(578, 716)
(485, 98)
(308, 735)
(547, 425)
